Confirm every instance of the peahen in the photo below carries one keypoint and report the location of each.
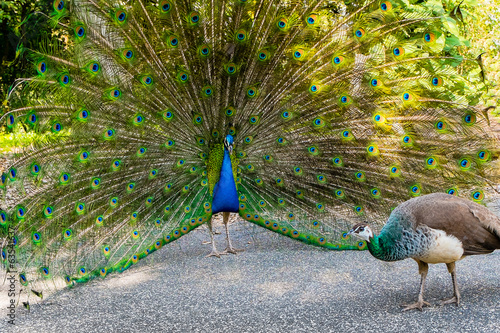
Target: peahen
(302, 116)
(431, 229)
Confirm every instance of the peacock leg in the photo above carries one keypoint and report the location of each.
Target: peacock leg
(423, 268)
(214, 252)
(456, 293)
(229, 248)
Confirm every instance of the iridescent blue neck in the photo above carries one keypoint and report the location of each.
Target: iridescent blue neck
(225, 198)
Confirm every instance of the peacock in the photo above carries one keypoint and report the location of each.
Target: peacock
(434, 228)
(303, 117)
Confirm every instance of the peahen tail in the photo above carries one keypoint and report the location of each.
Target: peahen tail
(338, 112)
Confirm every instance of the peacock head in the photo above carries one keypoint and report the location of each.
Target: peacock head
(228, 143)
(361, 230)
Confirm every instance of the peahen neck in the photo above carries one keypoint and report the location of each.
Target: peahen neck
(225, 197)
(385, 248)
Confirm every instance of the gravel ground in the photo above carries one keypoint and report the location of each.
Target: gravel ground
(276, 285)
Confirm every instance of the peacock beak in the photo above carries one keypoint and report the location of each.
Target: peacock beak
(350, 232)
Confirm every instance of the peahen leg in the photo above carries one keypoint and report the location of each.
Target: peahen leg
(214, 252)
(229, 248)
(456, 293)
(423, 268)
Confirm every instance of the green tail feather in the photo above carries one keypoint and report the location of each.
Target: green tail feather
(338, 114)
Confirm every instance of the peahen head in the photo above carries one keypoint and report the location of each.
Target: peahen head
(361, 230)
(228, 143)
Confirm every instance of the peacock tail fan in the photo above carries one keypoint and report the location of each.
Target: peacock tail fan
(339, 113)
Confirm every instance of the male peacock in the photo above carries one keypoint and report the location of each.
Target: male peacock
(302, 116)
(434, 228)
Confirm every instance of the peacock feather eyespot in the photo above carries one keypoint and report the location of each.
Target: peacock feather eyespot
(11, 121)
(230, 68)
(127, 54)
(469, 119)
(135, 234)
(230, 111)
(431, 163)
(385, 6)
(464, 164)
(109, 134)
(180, 162)
(279, 181)
(407, 97)
(165, 6)
(58, 5)
(250, 167)
(23, 280)
(314, 89)
(113, 94)
(141, 151)
(282, 24)
(429, 37)
(80, 208)
(3, 218)
(375, 193)
(372, 150)
(311, 20)
(299, 54)
(337, 60)
(36, 237)
(241, 36)
(415, 190)
(248, 139)
(67, 234)
(173, 41)
(45, 272)
(146, 80)
(441, 126)
(359, 33)
(149, 201)
(64, 80)
(80, 31)
(187, 209)
(64, 178)
(394, 171)
(437, 81)
(138, 119)
(130, 187)
(153, 173)
(337, 161)
(345, 100)
(207, 91)
(56, 127)
(359, 210)
(193, 170)
(313, 150)
(252, 92)
(106, 250)
(321, 179)
(299, 194)
(263, 55)
(168, 115)
(115, 165)
(83, 156)
(259, 181)
(48, 212)
(32, 119)
(407, 141)
(41, 67)
(242, 154)
(232, 131)
(254, 120)
(158, 222)
(268, 158)
(99, 220)
(483, 156)
(477, 196)
(339, 194)
(13, 174)
(120, 16)
(182, 77)
(93, 68)
(452, 191)
(398, 52)
(83, 115)
(204, 50)
(194, 18)
(320, 207)
(318, 123)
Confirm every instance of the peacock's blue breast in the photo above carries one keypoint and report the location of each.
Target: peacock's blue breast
(225, 198)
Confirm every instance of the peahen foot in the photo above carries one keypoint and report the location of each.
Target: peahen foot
(418, 305)
(214, 253)
(452, 300)
(232, 250)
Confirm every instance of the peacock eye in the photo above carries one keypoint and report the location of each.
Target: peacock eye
(361, 229)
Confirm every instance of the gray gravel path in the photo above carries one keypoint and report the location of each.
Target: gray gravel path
(276, 285)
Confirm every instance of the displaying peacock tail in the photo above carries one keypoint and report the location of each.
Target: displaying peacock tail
(338, 113)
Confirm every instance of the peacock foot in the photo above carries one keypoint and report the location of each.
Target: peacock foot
(418, 305)
(232, 250)
(454, 299)
(214, 254)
